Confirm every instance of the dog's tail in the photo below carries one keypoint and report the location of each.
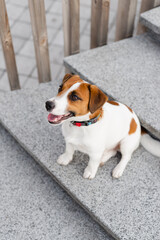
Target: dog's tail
(150, 142)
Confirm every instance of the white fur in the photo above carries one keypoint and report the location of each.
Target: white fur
(150, 144)
(99, 140)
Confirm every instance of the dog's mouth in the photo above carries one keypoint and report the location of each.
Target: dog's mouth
(56, 119)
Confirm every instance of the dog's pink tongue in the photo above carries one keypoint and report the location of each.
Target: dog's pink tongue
(51, 117)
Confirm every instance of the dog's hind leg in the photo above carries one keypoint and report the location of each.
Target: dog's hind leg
(106, 156)
(127, 147)
(67, 156)
(119, 169)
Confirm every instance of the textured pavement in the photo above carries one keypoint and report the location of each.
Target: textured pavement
(19, 19)
(127, 207)
(33, 206)
(120, 69)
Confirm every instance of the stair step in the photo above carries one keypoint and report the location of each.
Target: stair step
(33, 206)
(127, 208)
(151, 19)
(128, 70)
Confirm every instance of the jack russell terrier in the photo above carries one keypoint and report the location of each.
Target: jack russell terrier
(96, 126)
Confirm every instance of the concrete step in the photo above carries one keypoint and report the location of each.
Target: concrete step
(128, 70)
(127, 208)
(151, 19)
(33, 206)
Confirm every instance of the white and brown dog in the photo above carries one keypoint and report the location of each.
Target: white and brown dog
(94, 125)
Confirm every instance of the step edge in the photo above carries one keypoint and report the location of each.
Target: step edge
(92, 215)
(144, 21)
(149, 128)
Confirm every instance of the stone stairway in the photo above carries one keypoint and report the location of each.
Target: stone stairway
(33, 206)
(151, 20)
(127, 208)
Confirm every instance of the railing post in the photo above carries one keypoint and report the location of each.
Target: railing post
(145, 5)
(7, 46)
(39, 29)
(156, 3)
(125, 19)
(99, 22)
(71, 26)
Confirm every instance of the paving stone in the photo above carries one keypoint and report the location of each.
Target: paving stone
(62, 73)
(26, 16)
(54, 20)
(58, 39)
(85, 12)
(87, 29)
(52, 34)
(151, 19)
(48, 5)
(4, 82)
(28, 49)
(86, 3)
(25, 65)
(55, 70)
(13, 11)
(33, 206)
(56, 7)
(83, 25)
(18, 43)
(129, 71)
(127, 208)
(31, 83)
(85, 42)
(21, 29)
(56, 54)
(2, 61)
(1, 73)
(23, 3)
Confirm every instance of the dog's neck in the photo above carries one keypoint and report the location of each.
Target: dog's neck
(93, 118)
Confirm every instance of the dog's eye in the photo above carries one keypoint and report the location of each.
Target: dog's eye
(74, 97)
(60, 88)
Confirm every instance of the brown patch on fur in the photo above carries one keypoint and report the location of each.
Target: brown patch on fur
(143, 131)
(68, 83)
(80, 107)
(97, 98)
(113, 103)
(129, 109)
(96, 113)
(66, 77)
(133, 126)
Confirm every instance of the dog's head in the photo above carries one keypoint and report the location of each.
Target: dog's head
(75, 98)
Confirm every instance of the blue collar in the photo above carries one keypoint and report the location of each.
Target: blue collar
(86, 123)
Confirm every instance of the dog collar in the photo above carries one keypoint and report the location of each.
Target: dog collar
(86, 123)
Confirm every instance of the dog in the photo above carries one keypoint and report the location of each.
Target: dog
(96, 126)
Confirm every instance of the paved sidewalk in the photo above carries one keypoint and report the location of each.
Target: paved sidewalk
(20, 25)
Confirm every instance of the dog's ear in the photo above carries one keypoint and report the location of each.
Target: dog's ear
(66, 77)
(97, 98)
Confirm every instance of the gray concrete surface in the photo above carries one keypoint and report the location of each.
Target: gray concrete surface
(33, 206)
(129, 208)
(151, 19)
(129, 71)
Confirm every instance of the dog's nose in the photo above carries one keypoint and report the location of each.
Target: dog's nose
(50, 105)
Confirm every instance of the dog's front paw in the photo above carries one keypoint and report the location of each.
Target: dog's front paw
(63, 160)
(88, 173)
(117, 172)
